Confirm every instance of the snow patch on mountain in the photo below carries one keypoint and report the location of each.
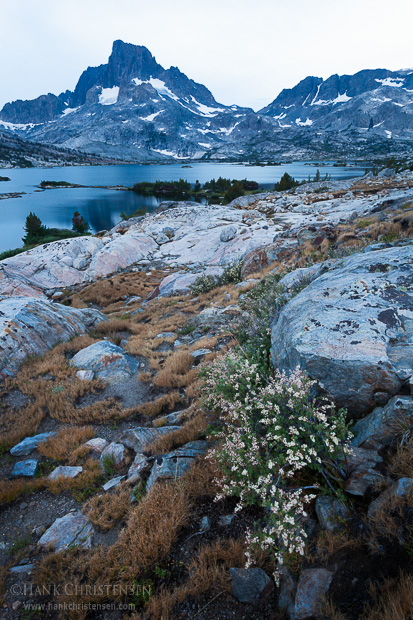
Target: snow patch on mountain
(395, 82)
(70, 111)
(151, 117)
(17, 126)
(109, 96)
(307, 123)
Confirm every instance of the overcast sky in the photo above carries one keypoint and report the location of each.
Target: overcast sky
(244, 51)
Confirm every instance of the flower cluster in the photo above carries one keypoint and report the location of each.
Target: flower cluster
(273, 437)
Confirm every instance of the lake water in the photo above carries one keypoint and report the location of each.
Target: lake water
(102, 207)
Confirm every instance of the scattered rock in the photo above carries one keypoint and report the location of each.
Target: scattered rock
(174, 418)
(331, 513)
(250, 585)
(22, 569)
(313, 585)
(361, 458)
(106, 360)
(246, 283)
(85, 375)
(399, 489)
(65, 472)
(29, 444)
(205, 524)
(226, 520)
(161, 239)
(383, 423)
(140, 438)
(363, 480)
(228, 234)
(111, 484)
(199, 355)
(114, 452)
(72, 530)
(175, 464)
(97, 444)
(25, 468)
(139, 465)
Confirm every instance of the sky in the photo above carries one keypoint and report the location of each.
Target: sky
(244, 51)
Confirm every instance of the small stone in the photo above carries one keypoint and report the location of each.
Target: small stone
(247, 283)
(175, 464)
(114, 452)
(381, 422)
(331, 513)
(205, 524)
(401, 489)
(226, 520)
(85, 375)
(140, 437)
(97, 444)
(174, 418)
(161, 239)
(199, 355)
(250, 585)
(29, 444)
(139, 465)
(16, 605)
(363, 480)
(65, 472)
(166, 335)
(24, 568)
(111, 484)
(168, 231)
(69, 531)
(39, 530)
(25, 468)
(106, 360)
(312, 587)
(228, 233)
(23, 505)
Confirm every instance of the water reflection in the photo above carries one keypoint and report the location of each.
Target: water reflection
(102, 207)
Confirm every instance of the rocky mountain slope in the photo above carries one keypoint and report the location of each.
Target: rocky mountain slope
(132, 108)
(16, 152)
(107, 476)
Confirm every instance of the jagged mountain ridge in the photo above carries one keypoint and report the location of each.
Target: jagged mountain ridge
(132, 108)
(366, 100)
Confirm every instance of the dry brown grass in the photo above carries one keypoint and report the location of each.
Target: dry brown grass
(151, 530)
(176, 371)
(329, 543)
(401, 462)
(53, 389)
(3, 578)
(393, 600)
(106, 510)
(208, 572)
(330, 611)
(390, 523)
(86, 480)
(190, 431)
(62, 446)
(200, 480)
(12, 489)
(166, 402)
(110, 294)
